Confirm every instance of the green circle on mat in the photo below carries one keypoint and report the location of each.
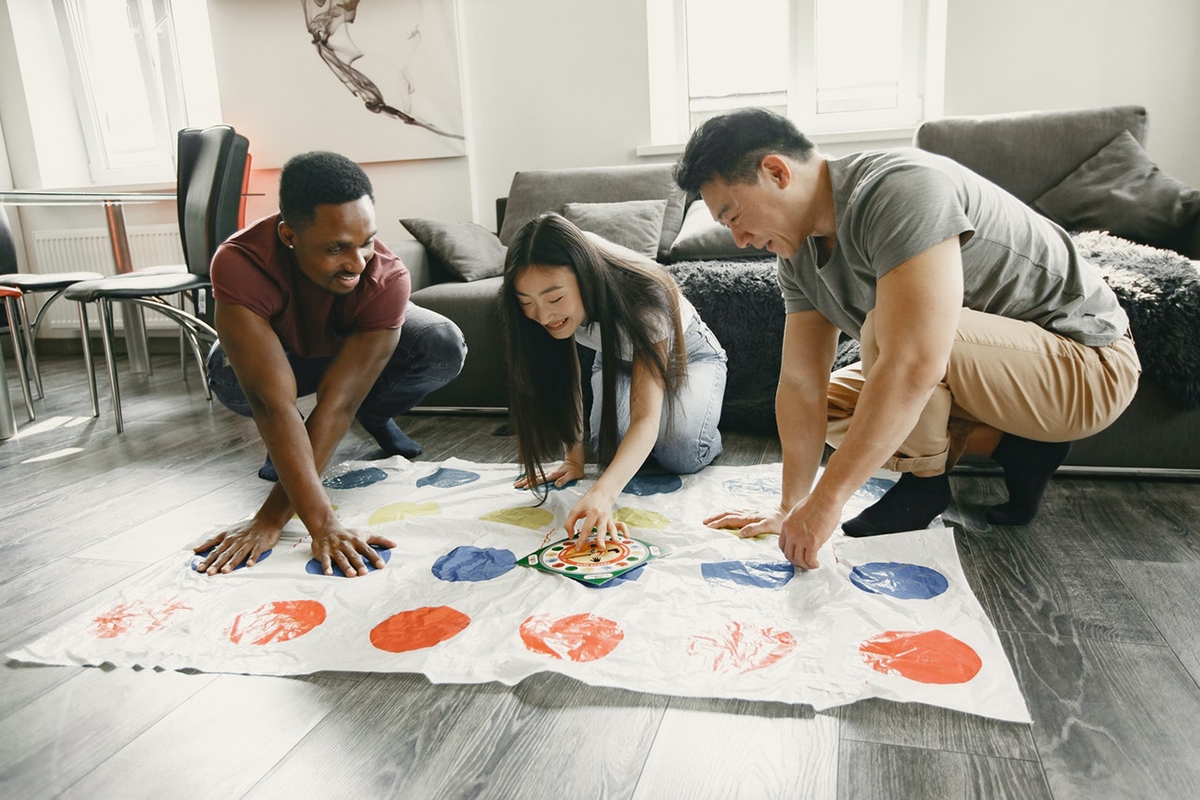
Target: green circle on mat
(521, 516)
(398, 511)
(639, 518)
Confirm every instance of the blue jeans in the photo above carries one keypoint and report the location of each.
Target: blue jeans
(688, 438)
(429, 355)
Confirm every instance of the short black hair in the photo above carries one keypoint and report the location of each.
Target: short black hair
(317, 178)
(732, 145)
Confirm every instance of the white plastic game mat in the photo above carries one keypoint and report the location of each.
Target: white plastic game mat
(470, 595)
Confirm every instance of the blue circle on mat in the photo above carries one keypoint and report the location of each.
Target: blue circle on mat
(198, 559)
(753, 485)
(759, 574)
(447, 478)
(642, 485)
(355, 478)
(902, 581)
(624, 577)
(313, 567)
(468, 563)
(876, 488)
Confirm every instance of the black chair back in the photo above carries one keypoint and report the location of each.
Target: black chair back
(8, 246)
(211, 171)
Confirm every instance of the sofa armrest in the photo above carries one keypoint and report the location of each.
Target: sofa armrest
(423, 268)
(1030, 152)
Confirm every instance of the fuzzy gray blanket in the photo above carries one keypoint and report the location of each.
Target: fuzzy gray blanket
(1159, 289)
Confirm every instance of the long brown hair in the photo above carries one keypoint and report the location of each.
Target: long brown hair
(626, 294)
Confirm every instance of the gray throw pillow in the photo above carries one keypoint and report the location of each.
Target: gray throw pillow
(1120, 190)
(636, 224)
(468, 250)
(703, 238)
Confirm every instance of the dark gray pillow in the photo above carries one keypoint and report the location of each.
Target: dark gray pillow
(468, 250)
(1120, 190)
(703, 238)
(636, 224)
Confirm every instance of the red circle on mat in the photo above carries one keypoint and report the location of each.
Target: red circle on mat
(279, 621)
(579, 637)
(922, 656)
(418, 628)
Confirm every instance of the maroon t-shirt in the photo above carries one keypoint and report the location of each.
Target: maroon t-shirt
(254, 269)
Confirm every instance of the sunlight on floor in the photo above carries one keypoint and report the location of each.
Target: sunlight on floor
(63, 453)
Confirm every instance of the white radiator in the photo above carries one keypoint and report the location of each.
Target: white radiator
(88, 249)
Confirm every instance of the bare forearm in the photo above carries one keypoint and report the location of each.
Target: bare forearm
(890, 404)
(801, 422)
(298, 457)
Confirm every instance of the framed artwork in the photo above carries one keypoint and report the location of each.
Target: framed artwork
(374, 80)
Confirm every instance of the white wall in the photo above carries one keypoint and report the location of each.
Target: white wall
(1018, 55)
(557, 83)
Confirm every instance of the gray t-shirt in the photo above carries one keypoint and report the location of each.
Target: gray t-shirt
(892, 205)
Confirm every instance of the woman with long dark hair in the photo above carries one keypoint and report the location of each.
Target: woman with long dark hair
(658, 377)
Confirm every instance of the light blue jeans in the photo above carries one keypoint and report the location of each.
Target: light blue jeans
(688, 438)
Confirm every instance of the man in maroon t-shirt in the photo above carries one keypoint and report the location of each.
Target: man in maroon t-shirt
(307, 301)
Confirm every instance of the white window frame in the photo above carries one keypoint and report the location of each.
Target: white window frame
(922, 84)
(179, 79)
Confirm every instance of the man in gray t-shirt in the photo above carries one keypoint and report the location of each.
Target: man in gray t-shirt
(981, 330)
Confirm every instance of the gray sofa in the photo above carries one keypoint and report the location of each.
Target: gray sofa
(1039, 157)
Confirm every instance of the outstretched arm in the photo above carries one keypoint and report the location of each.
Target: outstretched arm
(809, 347)
(595, 508)
(916, 314)
(298, 449)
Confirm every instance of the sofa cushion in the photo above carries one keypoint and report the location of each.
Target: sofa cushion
(534, 192)
(1029, 152)
(702, 237)
(636, 224)
(469, 251)
(1120, 190)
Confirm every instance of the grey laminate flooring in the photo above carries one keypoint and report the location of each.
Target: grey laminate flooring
(1096, 604)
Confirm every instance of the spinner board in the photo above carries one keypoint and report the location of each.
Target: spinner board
(591, 563)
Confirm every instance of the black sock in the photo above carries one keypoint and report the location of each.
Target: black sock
(267, 470)
(392, 439)
(908, 506)
(1028, 466)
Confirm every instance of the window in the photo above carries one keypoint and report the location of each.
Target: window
(135, 83)
(833, 66)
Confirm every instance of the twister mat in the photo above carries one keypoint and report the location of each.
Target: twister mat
(711, 615)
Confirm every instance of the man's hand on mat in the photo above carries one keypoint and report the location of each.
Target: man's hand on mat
(346, 548)
(806, 527)
(243, 542)
(747, 522)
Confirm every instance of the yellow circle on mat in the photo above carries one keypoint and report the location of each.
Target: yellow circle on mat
(399, 511)
(638, 518)
(522, 516)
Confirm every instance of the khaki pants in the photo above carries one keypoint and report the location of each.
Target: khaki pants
(1015, 376)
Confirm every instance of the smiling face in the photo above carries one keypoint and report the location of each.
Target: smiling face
(550, 297)
(333, 250)
(761, 214)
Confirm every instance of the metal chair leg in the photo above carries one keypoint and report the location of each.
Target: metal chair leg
(106, 332)
(11, 309)
(86, 337)
(30, 336)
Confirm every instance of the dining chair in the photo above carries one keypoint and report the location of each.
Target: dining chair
(11, 297)
(31, 284)
(209, 190)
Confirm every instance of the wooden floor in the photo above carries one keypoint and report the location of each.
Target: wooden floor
(1096, 603)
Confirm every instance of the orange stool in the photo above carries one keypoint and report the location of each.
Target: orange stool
(8, 426)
